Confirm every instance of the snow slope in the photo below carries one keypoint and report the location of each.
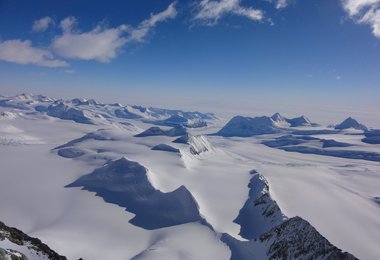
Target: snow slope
(201, 202)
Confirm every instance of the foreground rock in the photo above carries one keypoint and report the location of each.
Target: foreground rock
(296, 238)
(271, 235)
(15, 245)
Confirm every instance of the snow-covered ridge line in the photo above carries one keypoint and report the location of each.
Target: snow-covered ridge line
(351, 123)
(260, 212)
(271, 235)
(125, 183)
(248, 126)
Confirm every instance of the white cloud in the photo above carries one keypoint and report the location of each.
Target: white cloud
(364, 12)
(138, 34)
(211, 11)
(372, 17)
(42, 24)
(353, 7)
(281, 4)
(22, 52)
(101, 43)
(68, 23)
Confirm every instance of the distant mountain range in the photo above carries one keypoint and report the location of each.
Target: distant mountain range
(89, 111)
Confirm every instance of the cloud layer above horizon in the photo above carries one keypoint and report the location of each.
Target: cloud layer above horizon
(103, 43)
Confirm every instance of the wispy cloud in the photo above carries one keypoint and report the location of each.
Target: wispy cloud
(101, 43)
(68, 23)
(42, 24)
(281, 4)
(211, 11)
(139, 33)
(22, 52)
(364, 12)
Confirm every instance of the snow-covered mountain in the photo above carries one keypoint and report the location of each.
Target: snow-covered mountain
(351, 123)
(299, 121)
(280, 120)
(177, 130)
(292, 122)
(197, 144)
(248, 126)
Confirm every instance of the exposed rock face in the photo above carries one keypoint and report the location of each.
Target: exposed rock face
(197, 144)
(271, 235)
(126, 184)
(17, 241)
(297, 239)
(351, 123)
(260, 212)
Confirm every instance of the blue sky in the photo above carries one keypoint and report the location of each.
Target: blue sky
(145, 51)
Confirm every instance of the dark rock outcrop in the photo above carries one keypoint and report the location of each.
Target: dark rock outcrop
(298, 239)
(19, 238)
